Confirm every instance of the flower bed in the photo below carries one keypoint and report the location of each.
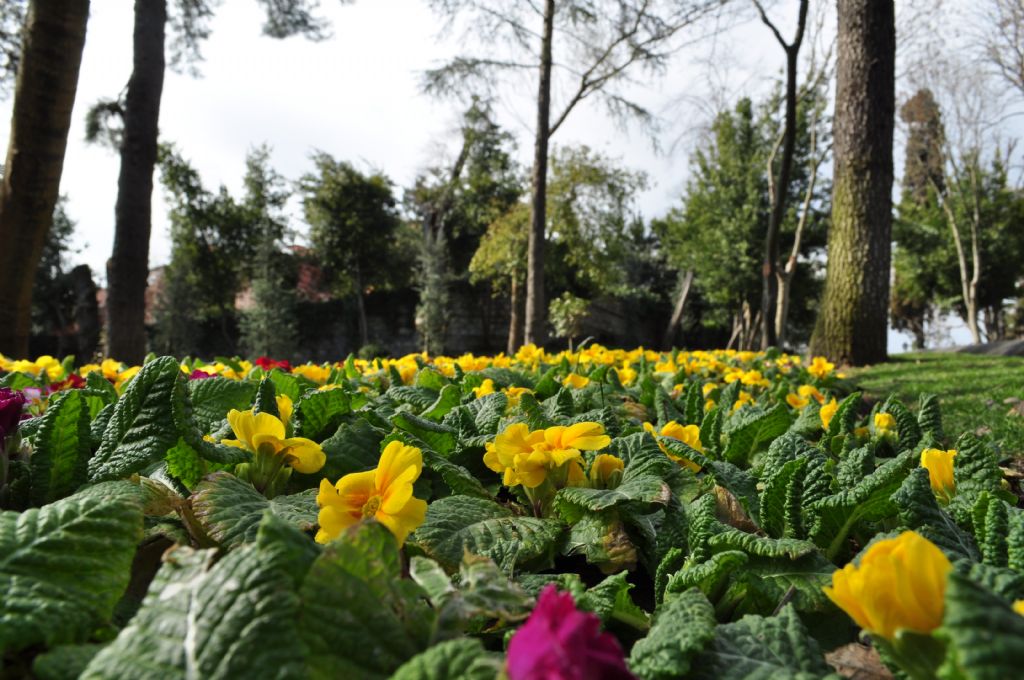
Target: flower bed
(598, 514)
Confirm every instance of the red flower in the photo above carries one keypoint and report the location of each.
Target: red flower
(201, 375)
(560, 642)
(10, 411)
(268, 364)
(73, 382)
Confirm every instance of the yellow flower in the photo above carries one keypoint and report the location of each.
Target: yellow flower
(124, 376)
(486, 387)
(796, 401)
(576, 381)
(284, 407)
(1018, 607)
(708, 388)
(111, 369)
(688, 434)
(940, 470)
(525, 457)
(885, 423)
(809, 391)
(384, 494)
(514, 393)
(828, 410)
(709, 404)
(603, 468)
(263, 431)
(317, 374)
(87, 369)
(744, 399)
(820, 367)
(899, 585)
(626, 375)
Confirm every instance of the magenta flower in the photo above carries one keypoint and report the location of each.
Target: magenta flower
(10, 411)
(560, 642)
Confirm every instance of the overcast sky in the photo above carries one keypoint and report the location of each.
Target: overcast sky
(357, 96)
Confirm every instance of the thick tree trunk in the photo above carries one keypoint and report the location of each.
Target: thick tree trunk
(44, 96)
(852, 325)
(539, 187)
(128, 268)
(669, 337)
(515, 321)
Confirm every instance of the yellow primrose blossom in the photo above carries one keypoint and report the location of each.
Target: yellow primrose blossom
(820, 367)
(384, 494)
(317, 374)
(576, 381)
(284, 407)
(709, 404)
(940, 471)
(900, 584)
(626, 375)
(486, 387)
(796, 401)
(743, 399)
(526, 457)
(514, 393)
(605, 469)
(88, 368)
(124, 376)
(1018, 606)
(708, 388)
(828, 410)
(885, 423)
(688, 434)
(111, 369)
(265, 432)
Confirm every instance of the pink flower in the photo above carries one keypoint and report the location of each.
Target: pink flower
(559, 642)
(10, 411)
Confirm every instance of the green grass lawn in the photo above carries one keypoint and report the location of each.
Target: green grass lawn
(972, 390)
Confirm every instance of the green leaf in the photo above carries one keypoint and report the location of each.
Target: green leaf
(318, 413)
(991, 523)
(440, 438)
(457, 524)
(449, 398)
(645, 490)
(975, 470)
(611, 601)
(430, 379)
(751, 427)
(265, 400)
(64, 661)
(95, 382)
(906, 423)
(602, 539)
(359, 618)
(60, 459)
(779, 489)
(832, 518)
(355, 447)
(204, 617)
(212, 398)
(709, 576)
(739, 483)
(185, 464)
(929, 418)
(918, 510)
(63, 567)
(231, 510)
(451, 660)
(287, 384)
(762, 647)
(460, 480)
(752, 544)
(986, 637)
(682, 627)
(146, 422)
(488, 411)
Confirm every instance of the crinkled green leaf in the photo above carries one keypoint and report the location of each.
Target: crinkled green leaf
(750, 427)
(318, 413)
(459, 523)
(682, 627)
(986, 637)
(752, 544)
(643, 489)
(763, 647)
(448, 399)
(204, 617)
(62, 448)
(212, 398)
(918, 510)
(63, 567)
(64, 661)
(359, 617)
(440, 438)
(355, 447)
(452, 660)
(230, 510)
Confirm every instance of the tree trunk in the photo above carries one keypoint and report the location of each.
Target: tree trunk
(539, 187)
(364, 334)
(87, 313)
(515, 322)
(669, 336)
(852, 325)
(769, 268)
(44, 95)
(128, 268)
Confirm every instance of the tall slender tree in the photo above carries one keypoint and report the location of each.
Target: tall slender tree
(50, 58)
(852, 325)
(128, 267)
(597, 45)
